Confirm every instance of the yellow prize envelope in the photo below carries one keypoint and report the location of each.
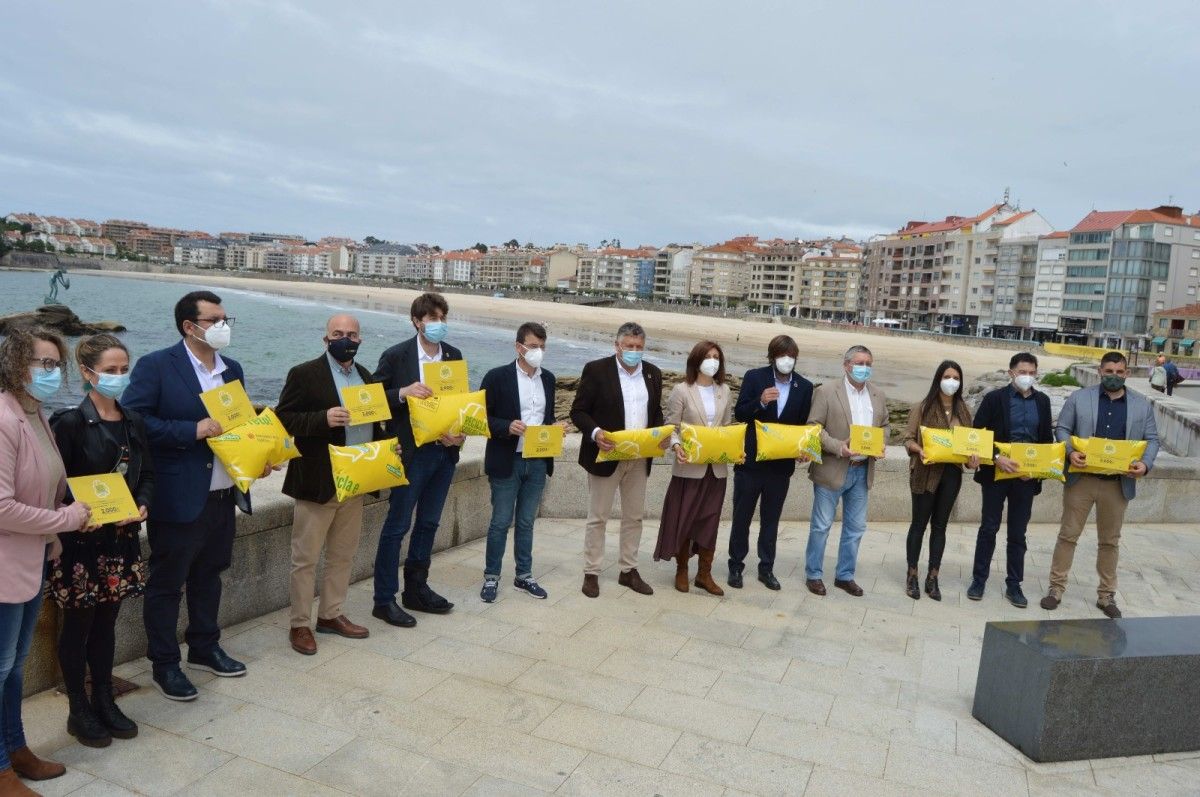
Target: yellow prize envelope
(446, 376)
(366, 403)
(107, 494)
(366, 468)
(706, 445)
(938, 445)
(462, 413)
(636, 444)
(542, 441)
(866, 440)
(1108, 457)
(228, 405)
(786, 441)
(1036, 460)
(968, 441)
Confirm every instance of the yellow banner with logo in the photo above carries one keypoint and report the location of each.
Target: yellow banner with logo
(453, 413)
(705, 445)
(366, 468)
(445, 377)
(366, 403)
(938, 445)
(866, 440)
(1108, 457)
(636, 443)
(1035, 460)
(974, 442)
(786, 441)
(246, 451)
(228, 405)
(108, 496)
(542, 441)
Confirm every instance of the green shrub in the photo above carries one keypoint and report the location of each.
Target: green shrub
(1059, 379)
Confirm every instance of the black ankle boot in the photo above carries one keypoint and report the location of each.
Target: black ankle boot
(931, 585)
(105, 707)
(911, 588)
(83, 724)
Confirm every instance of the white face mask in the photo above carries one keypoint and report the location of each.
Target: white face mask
(1024, 381)
(533, 357)
(710, 366)
(784, 365)
(218, 335)
(950, 386)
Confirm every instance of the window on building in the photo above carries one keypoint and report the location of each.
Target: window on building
(1196, 254)
(1169, 231)
(1159, 305)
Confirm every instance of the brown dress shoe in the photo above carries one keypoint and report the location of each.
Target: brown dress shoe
(704, 578)
(850, 587)
(634, 581)
(302, 640)
(1051, 601)
(591, 585)
(816, 586)
(11, 785)
(342, 626)
(30, 767)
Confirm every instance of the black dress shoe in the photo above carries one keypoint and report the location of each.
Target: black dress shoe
(768, 579)
(735, 577)
(423, 599)
(218, 662)
(174, 685)
(392, 614)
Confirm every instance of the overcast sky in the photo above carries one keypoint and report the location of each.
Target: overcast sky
(650, 121)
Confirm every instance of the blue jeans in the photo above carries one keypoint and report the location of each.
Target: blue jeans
(1019, 494)
(853, 495)
(17, 621)
(429, 475)
(518, 495)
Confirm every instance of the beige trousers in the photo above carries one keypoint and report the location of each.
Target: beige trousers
(1078, 500)
(336, 528)
(630, 480)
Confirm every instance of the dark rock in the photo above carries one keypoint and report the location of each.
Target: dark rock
(59, 318)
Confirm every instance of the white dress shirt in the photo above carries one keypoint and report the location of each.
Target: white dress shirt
(532, 395)
(785, 390)
(208, 380)
(708, 396)
(635, 395)
(862, 413)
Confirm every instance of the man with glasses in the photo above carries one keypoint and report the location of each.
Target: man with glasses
(191, 522)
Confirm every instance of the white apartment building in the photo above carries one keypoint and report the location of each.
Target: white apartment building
(1048, 284)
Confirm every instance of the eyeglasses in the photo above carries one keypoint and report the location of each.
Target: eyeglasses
(227, 319)
(48, 363)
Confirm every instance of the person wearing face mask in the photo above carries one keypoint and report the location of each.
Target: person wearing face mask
(774, 393)
(1017, 413)
(97, 571)
(616, 393)
(934, 487)
(842, 474)
(519, 395)
(430, 469)
(1110, 411)
(192, 520)
(692, 508)
(311, 408)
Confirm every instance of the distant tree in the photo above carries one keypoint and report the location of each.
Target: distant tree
(529, 245)
(437, 249)
(26, 228)
(481, 248)
(512, 244)
(604, 244)
(37, 246)
(371, 240)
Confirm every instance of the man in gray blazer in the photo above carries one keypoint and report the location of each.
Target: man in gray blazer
(1110, 411)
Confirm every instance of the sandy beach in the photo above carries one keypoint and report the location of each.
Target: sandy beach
(903, 367)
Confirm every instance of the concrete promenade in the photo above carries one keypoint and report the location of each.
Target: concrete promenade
(756, 693)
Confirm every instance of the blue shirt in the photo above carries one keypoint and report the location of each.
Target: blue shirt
(1110, 417)
(1022, 416)
(359, 433)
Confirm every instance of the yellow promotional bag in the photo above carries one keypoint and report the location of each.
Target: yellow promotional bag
(366, 468)
(939, 447)
(706, 445)
(451, 413)
(1108, 457)
(636, 444)
(1036, 460)
(247, 450)
(787, 441)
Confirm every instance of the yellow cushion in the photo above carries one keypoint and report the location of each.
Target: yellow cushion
(705, 445)
(246, 451)
(366, 468)
(636, 444)
(451, 413)
(1037, 460)
(938, 445)
(787, 441)
(1105, 457)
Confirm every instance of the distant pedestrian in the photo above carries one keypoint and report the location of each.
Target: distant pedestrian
(1165, 375)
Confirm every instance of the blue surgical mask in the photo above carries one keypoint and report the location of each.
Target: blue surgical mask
(631, 358)
(45, 383)
(860, 373)
(111, 385)
(435, 331)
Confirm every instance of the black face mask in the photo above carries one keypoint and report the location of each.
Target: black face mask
(343, 349)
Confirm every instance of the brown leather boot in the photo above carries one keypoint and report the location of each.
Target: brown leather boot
(704, 578)
(11, 785)
(30, 767)
(681, 565)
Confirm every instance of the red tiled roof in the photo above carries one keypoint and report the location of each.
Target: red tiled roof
(1011, 219)
(1157, 216)
(1186, 311)
(950, 223)
(1057, 234)
(1102, 220)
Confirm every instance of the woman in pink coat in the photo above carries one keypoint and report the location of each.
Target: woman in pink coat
(32, 486)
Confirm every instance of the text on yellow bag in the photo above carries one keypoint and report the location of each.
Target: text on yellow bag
(938, 445)
(1108, 457)
(453, 413)
(246, 451)
(636, 443)
(1035, 460)
(705, 445)
(366, 468)
(786, 441)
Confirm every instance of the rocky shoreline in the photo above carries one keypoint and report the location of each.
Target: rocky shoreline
(59, 318)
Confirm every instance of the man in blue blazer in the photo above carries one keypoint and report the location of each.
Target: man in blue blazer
(191, 522)
(772, 394)
(430, 469)
(1110, 411)
(519, 395)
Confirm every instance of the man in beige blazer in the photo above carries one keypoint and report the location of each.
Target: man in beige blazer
(844, 474)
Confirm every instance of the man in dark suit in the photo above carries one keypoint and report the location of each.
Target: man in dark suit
(430, 469)
(313, 411)
(191, 523)
(772, 394)
(616, 393)
(1016, 413)
(519, 395)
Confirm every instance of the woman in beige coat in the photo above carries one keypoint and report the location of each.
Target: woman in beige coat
(692, 508)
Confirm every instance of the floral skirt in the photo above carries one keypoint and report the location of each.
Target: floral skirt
(103, 566)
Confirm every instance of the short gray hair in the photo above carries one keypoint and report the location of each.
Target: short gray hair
(631, 329)
(853, 350)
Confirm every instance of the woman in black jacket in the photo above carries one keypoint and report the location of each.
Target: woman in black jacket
(97, 571)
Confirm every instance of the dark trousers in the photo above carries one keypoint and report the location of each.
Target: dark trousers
(767, 490)
(192, 554)
(933, 509)
(1019, 494)
(429, 475)
(88, 642)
